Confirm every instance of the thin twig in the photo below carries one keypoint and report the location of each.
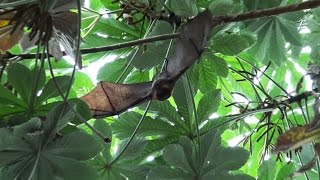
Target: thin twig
(132, 135)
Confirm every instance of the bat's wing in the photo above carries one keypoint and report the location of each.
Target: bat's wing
(108, 99)
(193, 38)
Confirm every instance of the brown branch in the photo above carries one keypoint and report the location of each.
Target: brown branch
(131, 43)
(105, 48)
(225, 18)
(270, 11)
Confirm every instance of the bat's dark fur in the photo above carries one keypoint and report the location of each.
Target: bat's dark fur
(109, 99)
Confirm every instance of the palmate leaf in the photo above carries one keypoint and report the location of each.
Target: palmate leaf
(207, 76)
(208, 104)
(136, 76)
(25, 81)
(223, 7)
(157, 145)
(154, 53)
(111, 71)
(23, 149)
(180, 92)
(115, 28)
(166, 111)
(174, 155)
(232, 44)
(285, 171)
(6, 98)
(76, 149)
(123, 127)
(272, 35)
(153, 56)
(216, 161)
(183, 7)
(120, 169)
(267, 170)
(50, 90)
(13, 3)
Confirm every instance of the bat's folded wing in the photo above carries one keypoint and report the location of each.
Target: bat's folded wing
(108, 99)
(193, 38)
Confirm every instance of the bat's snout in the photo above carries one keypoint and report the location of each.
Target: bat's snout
(163, 93)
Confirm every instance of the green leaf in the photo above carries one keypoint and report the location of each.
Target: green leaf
(9, 142)
(77, 145)
(290, 31)
(264, 31)
(180, 92)
(31, 126)
(277, 49)
(115, 28)
(82, 83)
(210, 144)
(112, 174)
(228, 177)
(232, 44)
(220, 66)
(285, 171)
(24, 80)
(217, 123)
(157, 145)
(136, 147)
(207, 75)
(7, 110)
(6, 97)
(110, 5)
(66, 168)
(184, 7)
(221, 7)
(153, 55)
(123, 127)
(161, 27)
(82, 109)
(166, 111)
(57, 118)
(163, 172)
(226, 159)
(174, 155)
(253, 5)
(111, 71)
(137, 76)
(209, 103)
(103, 128)
(50, 90)
(267, 170)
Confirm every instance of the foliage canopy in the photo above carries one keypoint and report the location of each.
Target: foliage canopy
(240, 112)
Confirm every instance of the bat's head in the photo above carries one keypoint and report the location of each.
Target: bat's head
(162, 87)
(163, 92)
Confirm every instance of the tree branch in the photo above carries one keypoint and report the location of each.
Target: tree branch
(270, 11)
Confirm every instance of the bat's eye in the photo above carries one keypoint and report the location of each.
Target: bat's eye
(163, 93)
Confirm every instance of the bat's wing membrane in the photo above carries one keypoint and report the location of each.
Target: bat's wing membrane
(108, 99)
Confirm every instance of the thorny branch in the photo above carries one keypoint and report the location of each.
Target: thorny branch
(176, 19)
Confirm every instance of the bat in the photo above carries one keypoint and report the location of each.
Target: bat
(108, 99)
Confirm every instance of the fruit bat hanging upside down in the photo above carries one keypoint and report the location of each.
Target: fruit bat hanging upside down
(108, 99)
